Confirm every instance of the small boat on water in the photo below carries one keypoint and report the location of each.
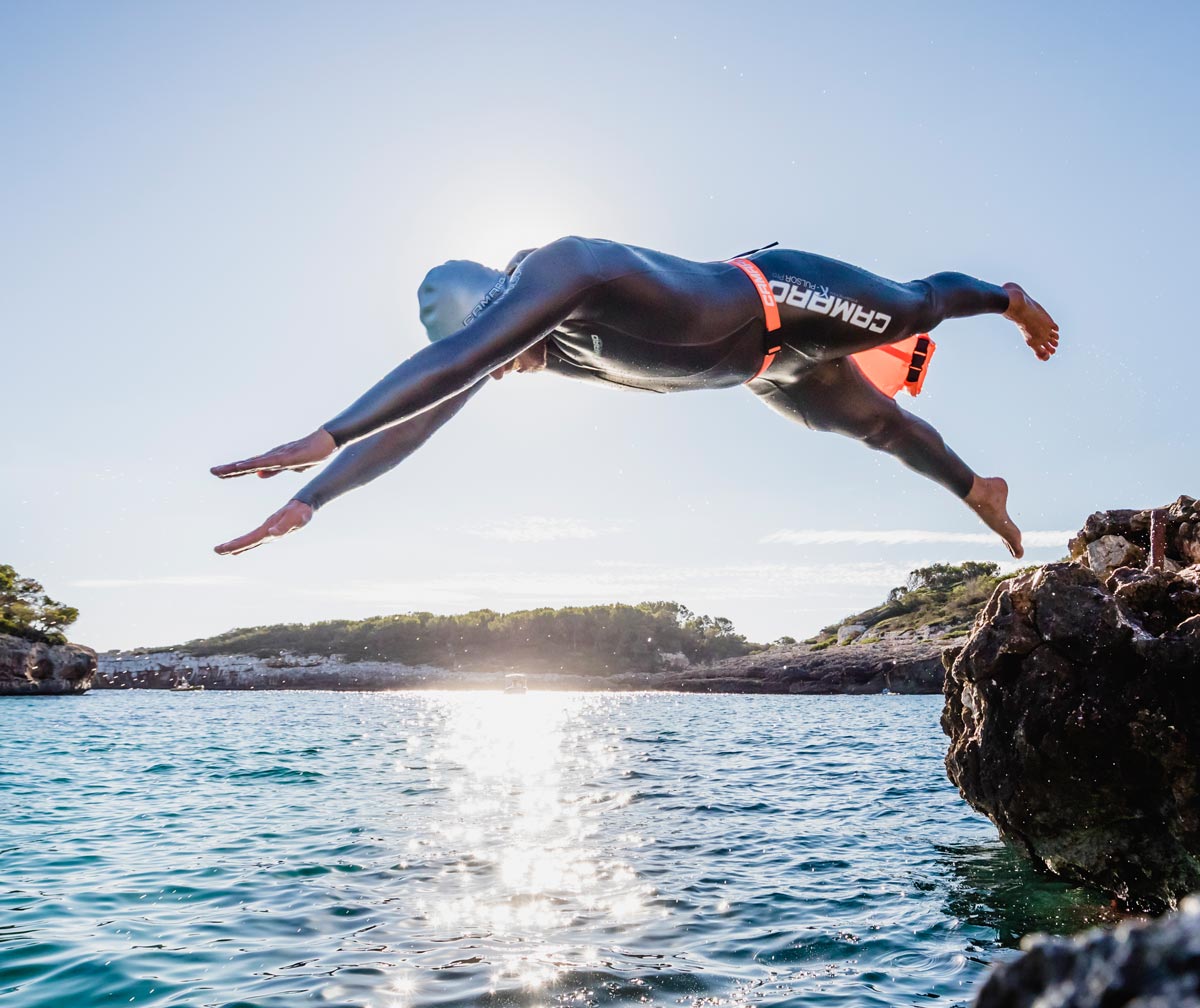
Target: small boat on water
(183, 686)
(515, 682)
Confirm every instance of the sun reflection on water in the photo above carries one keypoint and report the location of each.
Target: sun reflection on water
(524, 838)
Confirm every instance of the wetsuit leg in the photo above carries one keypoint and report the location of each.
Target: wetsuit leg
(834, 396)
(831, 309)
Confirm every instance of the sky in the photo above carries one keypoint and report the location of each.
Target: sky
(215, 217)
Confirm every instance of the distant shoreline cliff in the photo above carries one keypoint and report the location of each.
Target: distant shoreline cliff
(897, 666)
(650, 646)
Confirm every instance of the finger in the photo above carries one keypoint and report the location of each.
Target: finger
(230, 470)
(274, 460)
(243, 542)
(242, 549)
(243, 468)
(268, 473)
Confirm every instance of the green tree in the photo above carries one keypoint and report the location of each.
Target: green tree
(940, 577)
(27, 611)
(583, 638)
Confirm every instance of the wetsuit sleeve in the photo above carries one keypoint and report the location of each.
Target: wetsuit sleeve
(543, 291)
(373, 456)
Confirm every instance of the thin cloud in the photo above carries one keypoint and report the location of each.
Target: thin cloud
(612, 581)
(178, 581)
(907, 537)
(538, 528)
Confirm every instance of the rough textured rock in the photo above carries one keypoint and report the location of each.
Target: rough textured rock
(28, 668)
(899, 666)
(1109, 552)
(849, 632)
(163, 669)
(1140, 964)
(1183, 533)
(1074, 716)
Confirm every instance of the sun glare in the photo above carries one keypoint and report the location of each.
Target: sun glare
(521, 851)
(516, 206)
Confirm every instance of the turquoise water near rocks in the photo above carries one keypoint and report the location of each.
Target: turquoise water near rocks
(411, 849)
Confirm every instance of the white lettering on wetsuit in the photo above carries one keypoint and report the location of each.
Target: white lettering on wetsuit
(824, 303)
(497, 289)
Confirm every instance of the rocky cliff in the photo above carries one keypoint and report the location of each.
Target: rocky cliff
(908, 665)
(1152, 964)
(1073, 710)
(165, 669)
(29, 668)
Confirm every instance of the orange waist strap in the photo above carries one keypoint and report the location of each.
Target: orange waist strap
(770, 306)
(889, 368)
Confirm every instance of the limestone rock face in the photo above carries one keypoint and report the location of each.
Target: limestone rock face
(1109, 552)
(898, 666)
(1140, 963)
(1183, 530)
(850, 632)
(28, 668)
(905, 664)
(164, 669)
(1074, 717)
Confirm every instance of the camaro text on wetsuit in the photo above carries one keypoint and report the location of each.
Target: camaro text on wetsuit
(824, 303)
(498, 288)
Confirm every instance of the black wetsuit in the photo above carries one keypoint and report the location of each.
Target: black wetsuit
(635, 318)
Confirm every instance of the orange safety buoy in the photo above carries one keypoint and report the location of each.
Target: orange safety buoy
(897, 366)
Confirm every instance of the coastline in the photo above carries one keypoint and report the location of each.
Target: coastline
(897, 666)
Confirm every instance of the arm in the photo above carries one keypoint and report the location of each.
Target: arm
(359, 464)
(544, 290)
(542, 293)
(373, 456)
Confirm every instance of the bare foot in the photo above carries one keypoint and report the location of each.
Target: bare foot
(1039, 329)
(989, 499)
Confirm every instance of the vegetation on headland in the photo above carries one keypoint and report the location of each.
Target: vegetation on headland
(632, 638)
(944, 595)
(27, 611)
(596, 639)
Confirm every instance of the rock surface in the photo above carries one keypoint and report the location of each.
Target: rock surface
(28, 668)
(1074, 716)
(1183, 530)
(1109, 552)
(850, 631)
(909, 665)
(899, 666)
(1142, 964)
(165, 669)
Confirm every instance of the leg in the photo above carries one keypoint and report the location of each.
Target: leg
(834, 396)
(831, 309)
(956, 295)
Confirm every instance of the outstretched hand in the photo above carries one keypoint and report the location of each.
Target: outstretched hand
(295, 455)
(292, 516)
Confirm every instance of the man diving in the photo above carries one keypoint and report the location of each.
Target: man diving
(781, 322)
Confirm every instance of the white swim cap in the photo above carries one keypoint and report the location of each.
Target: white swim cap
(452, 294)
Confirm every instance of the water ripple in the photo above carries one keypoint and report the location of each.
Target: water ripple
(413, 849)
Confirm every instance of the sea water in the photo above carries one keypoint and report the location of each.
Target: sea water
(442, 848)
